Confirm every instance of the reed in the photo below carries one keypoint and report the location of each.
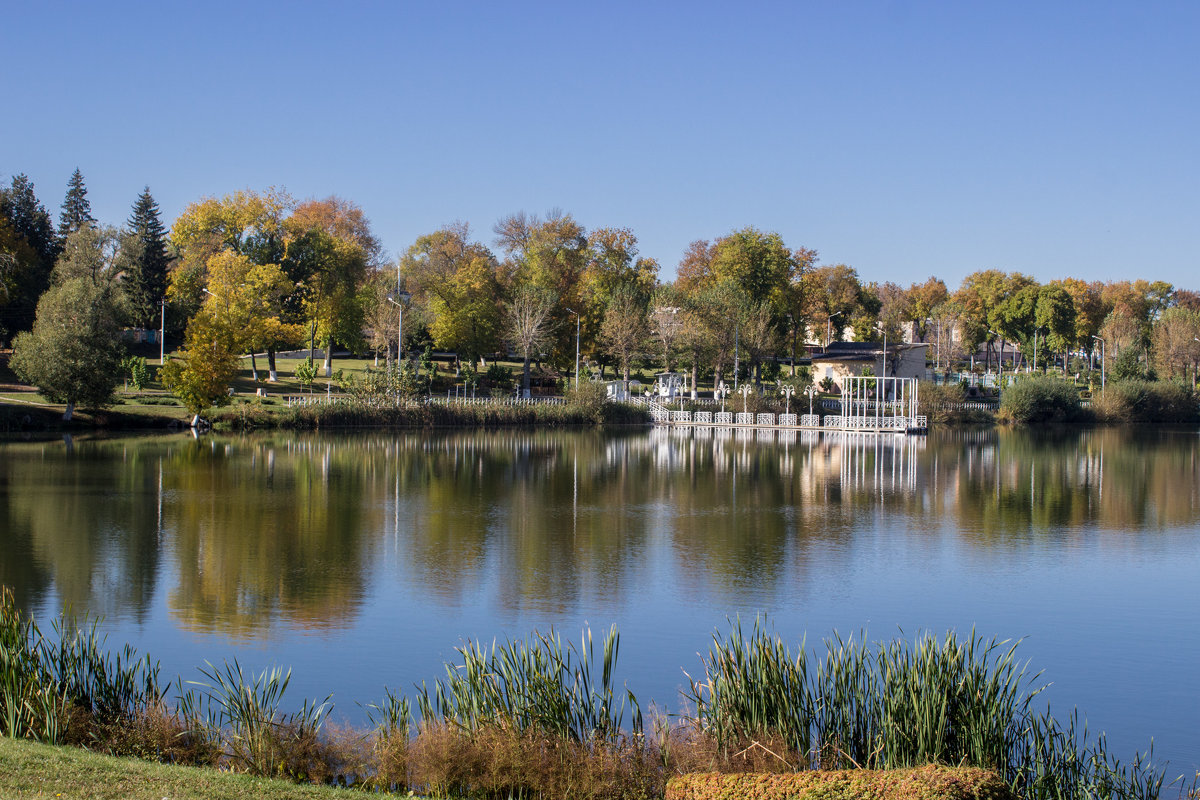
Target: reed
(958, 701)
(47, 681)
(535, 685)
(241, 718)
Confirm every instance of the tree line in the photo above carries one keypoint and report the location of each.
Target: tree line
(260, 272)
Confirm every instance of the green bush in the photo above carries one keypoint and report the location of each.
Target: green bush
(1146, 401)
(926, 783)
(1035, 400)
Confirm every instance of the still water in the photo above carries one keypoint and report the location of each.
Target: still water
(362, 561)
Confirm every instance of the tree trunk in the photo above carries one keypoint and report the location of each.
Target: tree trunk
(329, 357)
(695, 376)
(272, 375)
(525, 377)
(253, 367)
(69, 411)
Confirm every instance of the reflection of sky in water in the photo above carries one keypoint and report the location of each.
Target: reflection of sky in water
(363, 561)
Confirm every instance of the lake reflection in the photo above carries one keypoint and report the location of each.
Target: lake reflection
(383, 551)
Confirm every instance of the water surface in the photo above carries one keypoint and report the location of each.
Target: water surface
(363, 560)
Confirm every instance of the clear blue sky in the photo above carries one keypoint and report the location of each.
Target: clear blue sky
(903, 138)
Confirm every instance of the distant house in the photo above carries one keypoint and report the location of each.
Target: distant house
(848, 359)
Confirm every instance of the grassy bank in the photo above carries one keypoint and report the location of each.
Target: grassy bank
(34, 771)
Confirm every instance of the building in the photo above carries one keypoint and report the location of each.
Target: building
(851, 359)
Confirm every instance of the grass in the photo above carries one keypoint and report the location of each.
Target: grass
(35, 771)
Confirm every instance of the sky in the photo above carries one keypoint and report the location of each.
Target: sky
(906, 139)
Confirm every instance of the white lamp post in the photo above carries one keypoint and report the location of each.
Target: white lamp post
(722, 391)
(829, 328)
(745, 393)
(576, 313)
(399, 301)
(810, 390)
(786, 389)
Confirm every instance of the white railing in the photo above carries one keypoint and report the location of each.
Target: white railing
(743, 418)
(703, 417)
(787, 420)
(681, 416)
(810, 420)
(833, 421)
(766, 419)
(723, 418)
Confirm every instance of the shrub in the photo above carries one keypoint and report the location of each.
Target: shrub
(926, 783)
(1039, 400)
(1146, 401)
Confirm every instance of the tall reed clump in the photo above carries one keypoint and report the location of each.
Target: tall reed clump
(56, 688)
(533, 718)
(238, 720)
(899, 704)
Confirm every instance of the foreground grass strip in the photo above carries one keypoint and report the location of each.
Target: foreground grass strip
(925, 783)
(32, 771)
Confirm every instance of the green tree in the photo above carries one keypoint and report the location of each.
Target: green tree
(1056, 317)
(624, 330)
(529, 326)
(76, 208)
(148, 277)
(73, 354)
(758, 263)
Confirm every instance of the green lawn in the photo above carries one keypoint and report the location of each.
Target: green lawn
(32, 771)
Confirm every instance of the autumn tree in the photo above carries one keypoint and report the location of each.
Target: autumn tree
(612, 262)
(624, 330)
(1174, 347)
(833, 297)
(200, 376)
(551, 254)
(666, 323)
(529, 326)
(458, 281)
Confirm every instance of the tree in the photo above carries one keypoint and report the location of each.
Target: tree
(757, 263)
(612, 261)
(76, 209)
(148, 276)
(1175, 348)
(1056, 317)
(666, 323)
(529, 325)
(73, 354)
(458, 281)
(833, 296)
(624, 328)
(201, 375)
(28, 238)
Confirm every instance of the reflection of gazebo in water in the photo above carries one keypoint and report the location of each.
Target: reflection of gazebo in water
(875, 403)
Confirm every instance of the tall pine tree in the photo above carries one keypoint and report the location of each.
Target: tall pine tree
(76, 210)
(29, 274)
(149, 281)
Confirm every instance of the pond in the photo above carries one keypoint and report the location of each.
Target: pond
(363, 560)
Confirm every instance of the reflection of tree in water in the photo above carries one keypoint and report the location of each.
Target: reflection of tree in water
(262, 530)
(68, 517)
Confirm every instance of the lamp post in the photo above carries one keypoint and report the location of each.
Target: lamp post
(162, 334)
(745, 393)
(1102, 364)
(400, 299)
(1000, 358)
(829, 328)
(722, 391)
(787, 389)
(576, 313)
(810, 390)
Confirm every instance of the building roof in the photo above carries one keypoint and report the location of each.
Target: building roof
(862, 351)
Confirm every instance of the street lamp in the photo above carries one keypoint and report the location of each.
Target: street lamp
(1102, 366)
(745, 393)
(811, 390)
(402, 298)
(829, 328)
(722, 391)
(576, 313)
(787, 389)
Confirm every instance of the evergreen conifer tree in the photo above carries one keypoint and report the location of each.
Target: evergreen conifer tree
(30, 271)
(76, 210)
(149, 279)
